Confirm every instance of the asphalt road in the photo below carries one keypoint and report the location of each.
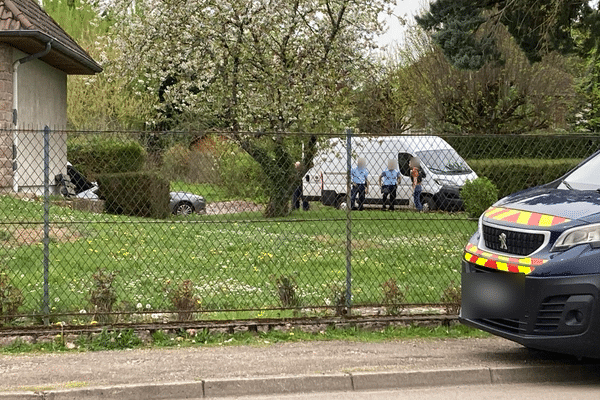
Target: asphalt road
(473, 392)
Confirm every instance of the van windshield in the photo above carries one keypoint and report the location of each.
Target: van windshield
(444, 161)
(585, 177)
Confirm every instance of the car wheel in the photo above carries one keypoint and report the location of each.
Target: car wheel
(184, 208)
(340, 203)
(428, 204)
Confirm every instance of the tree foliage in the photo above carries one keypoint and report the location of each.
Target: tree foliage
(588, 111)
(538, 26)
(107, 100)
(513, 97)
(383, 102)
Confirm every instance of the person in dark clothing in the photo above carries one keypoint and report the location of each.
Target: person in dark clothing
(298, 197)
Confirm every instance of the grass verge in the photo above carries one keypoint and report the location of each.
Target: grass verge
(128, 339)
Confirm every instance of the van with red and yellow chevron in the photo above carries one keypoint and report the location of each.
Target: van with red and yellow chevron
(531, 273)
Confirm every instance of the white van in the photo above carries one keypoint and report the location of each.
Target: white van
(445, 170)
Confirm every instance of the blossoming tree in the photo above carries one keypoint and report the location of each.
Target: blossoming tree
(255, 68)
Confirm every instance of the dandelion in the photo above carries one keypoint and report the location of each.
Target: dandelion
(148, 306)
(139, 306)
(82, 311)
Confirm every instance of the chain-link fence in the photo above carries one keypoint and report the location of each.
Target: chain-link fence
(142, 227)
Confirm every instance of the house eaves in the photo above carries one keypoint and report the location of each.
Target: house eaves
(25, 26)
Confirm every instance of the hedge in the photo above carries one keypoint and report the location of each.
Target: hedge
(140, 194)
(105, 155)
(514, 175)
(524, 146)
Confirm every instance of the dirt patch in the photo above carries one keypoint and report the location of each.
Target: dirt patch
(232, 207)
(36, 235)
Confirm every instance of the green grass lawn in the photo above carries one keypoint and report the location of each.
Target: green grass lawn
(212, 193)
(232, 259)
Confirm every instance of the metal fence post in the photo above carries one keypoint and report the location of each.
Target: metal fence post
(46, 300)
(348, 222)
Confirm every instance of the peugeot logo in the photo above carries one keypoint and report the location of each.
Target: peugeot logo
(502, 239)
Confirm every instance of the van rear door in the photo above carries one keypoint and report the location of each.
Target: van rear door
(312, 184)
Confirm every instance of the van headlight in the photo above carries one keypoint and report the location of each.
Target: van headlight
(445, 182)
(588, 234)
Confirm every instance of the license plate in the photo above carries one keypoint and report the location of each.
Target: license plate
(493, 295)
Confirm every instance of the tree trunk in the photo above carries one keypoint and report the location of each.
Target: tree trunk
(282, 178)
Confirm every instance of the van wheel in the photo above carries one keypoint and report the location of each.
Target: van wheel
(428, 204)
(340, 203)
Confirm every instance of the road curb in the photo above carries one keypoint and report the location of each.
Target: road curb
(355, 381)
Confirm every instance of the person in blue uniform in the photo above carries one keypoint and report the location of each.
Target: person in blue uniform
(359, 177)
(388, 180)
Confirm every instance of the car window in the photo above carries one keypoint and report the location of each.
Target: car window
(585, 177)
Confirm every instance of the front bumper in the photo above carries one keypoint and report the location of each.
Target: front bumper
(448, 199)
(558, 314)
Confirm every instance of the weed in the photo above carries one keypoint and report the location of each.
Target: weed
(393, 297)
(287, 289)
(11, 298)
(103, 295)
(338, 298)
(184, 299)
(451, 297)
(5, 235)
(115, 340)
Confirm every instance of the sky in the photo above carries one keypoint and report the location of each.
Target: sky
(406, 9)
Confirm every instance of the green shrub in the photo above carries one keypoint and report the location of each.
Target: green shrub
(11, 297)
(479, 195)
(513, 175)
(105, 155)
(190, 165)
(524, 146)
(176, 162)
(241, 176)
(140, 194)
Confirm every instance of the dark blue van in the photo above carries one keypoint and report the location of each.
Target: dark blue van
(531, 273)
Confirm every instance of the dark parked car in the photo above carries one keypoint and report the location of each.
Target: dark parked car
(180, 203)
(531, 273)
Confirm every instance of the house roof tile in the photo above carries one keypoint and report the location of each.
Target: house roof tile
(27, 27)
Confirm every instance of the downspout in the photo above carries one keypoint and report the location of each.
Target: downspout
(16, 105)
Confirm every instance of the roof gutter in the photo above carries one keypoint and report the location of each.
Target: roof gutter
(82, 59)
(16, 105)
